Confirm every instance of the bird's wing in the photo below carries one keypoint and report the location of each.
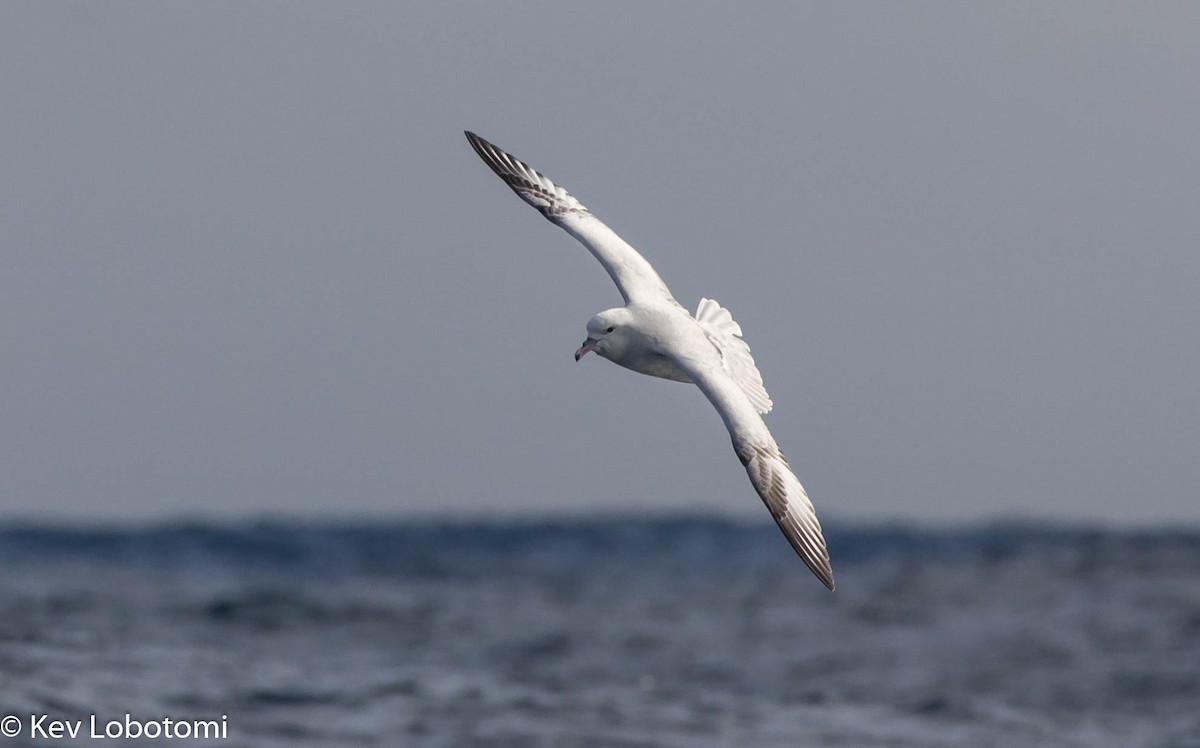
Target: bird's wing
(769, 472)
(635, 277)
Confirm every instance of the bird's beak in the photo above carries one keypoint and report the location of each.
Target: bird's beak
(588, 345)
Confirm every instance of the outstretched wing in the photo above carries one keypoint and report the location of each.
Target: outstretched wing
(769, 472)
(635, 277)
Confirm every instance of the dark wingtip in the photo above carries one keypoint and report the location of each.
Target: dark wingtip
(826, 575)
(818, 564)
(487, 152)
(824, 572)
(524, 179)
(476, 142)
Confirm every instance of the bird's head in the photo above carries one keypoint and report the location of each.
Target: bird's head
(608, 334)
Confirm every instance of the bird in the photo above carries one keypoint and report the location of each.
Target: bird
(654, 334)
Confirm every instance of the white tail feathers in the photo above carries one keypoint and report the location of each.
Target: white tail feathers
(726, 335)
(716, 318)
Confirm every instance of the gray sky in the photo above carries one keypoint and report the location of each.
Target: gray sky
(250, 264)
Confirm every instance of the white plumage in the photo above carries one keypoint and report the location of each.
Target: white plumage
(736, 360)
(654, 335)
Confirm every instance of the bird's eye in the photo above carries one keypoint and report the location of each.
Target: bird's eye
(610, 329)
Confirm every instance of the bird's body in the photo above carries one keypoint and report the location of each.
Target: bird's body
(654, 335)
(648, 327)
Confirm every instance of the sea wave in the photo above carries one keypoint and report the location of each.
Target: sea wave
(616, 632)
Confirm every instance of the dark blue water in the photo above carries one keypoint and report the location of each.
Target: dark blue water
(620, 633)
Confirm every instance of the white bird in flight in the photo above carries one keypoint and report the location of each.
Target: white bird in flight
(652, 334)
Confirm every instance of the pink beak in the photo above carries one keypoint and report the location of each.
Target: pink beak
(588, 345)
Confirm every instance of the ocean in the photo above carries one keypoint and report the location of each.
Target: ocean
(630, 633)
